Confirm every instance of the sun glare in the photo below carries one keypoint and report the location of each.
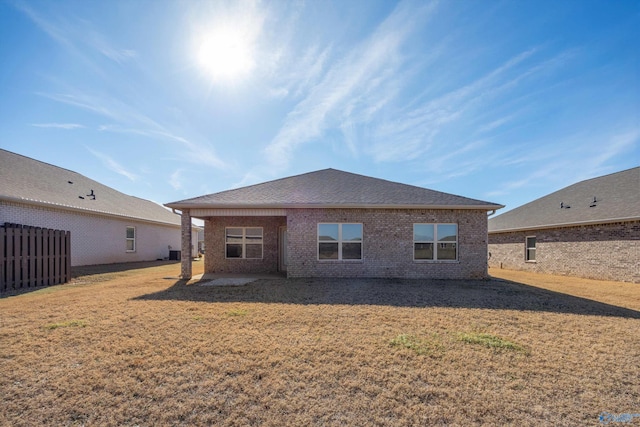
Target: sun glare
(225, 53)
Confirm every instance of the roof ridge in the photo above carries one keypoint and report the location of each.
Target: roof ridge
(330, 187)
(37, 182)
(601, 198)
(567, 187)
(602, 176)
(43, 162)
(257, 184)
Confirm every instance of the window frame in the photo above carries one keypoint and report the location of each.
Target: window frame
(527, 248)
(244, 242)
(435, 242)
(130, 239)
(340, 242)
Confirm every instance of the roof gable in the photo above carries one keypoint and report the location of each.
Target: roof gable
(332, 188)
(31, 181)
(608, 198)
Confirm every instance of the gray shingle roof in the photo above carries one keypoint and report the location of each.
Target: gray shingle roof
(617, 198)
(332, 188)
(27, 180)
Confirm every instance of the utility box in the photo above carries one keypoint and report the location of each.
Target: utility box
(174, 256)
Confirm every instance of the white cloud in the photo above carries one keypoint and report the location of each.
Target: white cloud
(495, 123)
(368, 68)
(118, 55)
(175, 180)
(615, 145)
(132, 121)
(76, 36)
(67, 126)
(114, 166)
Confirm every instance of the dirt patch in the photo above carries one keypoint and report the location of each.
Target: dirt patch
(139, 348)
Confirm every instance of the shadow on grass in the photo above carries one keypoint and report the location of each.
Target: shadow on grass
(483, 294)
(92, 270)
(88, 273)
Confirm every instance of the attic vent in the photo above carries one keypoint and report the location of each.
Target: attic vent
(563, 206)
(594, 203)
(70, 182)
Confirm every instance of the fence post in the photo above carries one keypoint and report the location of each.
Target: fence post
(24, 256)
(50, 253)
(56, 256)
(39, 258)
(3, 263)
(67, 245)
(33, 256)
(10, 284)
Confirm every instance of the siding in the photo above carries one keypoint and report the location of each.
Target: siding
(97, 239)
(604, 251)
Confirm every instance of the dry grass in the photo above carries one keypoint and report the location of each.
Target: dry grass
(139, 347)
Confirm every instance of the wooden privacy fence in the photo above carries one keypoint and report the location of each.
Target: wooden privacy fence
(33, 256)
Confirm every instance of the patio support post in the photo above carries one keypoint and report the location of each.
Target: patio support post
(185, 267)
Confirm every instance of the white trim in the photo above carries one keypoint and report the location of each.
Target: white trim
(130, 239)
(339, 242)
(198, 213)
(204, 206)
(526, 249)
(39, 203)
(566, 225)
(434, 242)
(244, 242)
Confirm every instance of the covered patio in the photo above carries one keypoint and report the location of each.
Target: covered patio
(238, 242)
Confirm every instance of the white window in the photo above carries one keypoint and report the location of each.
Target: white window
(131, 239)
(339, 241)
(243, 242)
(530, 249)
(425, 237)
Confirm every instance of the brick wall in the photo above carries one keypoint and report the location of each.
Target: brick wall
(97, 239)
(605, 251)
(387, 244)
(214, 239)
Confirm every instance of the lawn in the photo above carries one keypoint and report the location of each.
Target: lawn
(139, 347)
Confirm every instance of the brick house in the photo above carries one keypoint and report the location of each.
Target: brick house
(331, 223)
(106, 226)
(590, 229)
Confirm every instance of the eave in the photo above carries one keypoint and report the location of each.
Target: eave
(565, 225)
(75, 209)
(204, 206)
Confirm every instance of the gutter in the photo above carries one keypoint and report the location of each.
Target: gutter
(81, 210)
(491, 207)
(566, 225)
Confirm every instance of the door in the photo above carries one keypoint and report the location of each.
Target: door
(282, 249)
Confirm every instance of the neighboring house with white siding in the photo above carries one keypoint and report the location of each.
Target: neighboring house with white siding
(589, 229)
(106, 225)
(331, 223)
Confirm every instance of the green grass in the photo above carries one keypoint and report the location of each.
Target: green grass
(237, 312)
(421, 346)
(491, 341)
(67, 324)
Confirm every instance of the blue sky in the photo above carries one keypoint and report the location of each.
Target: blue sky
(503, 101)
